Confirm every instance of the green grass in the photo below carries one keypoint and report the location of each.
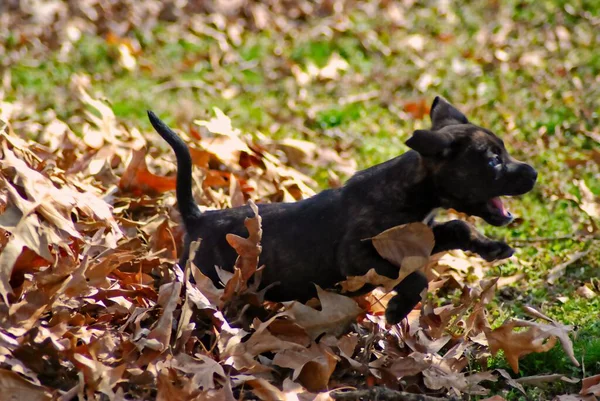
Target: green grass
(544, 110)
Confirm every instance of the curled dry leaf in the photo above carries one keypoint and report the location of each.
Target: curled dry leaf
(407, 246)
(589, 203)
(235, 192)
(102, 377)
(40, 216)
(265, 390)
(510, 381)
(337, 312)
(8, 258)
(41, 194)
(436, 379)
(410, 365)
(536, 338)
(542, 380)
(586, 292)
(160, 336)
(417, 109)
(139, 180)
(248, 249)
(591, 386)
(166, 390)
(555, 329)
(312, 367)
(241, 355)
(518, 344)
(227, 146)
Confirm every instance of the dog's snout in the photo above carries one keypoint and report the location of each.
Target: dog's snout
(527, 178)
(522, 178)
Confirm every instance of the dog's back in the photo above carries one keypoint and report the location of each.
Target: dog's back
(294, 239)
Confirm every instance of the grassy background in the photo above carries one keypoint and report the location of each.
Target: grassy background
(528, 70)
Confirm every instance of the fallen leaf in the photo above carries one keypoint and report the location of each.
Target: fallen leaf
(536, 338)
(417, 109)
(591, 385)
(410, 365)
(337, 312)
(494, 398)
(407, 246)
(202, 368)
(312, 367)
(555, 329)
(241, 354)
(574, 397)
(8, 258)
(542, 380)
(510, 381)
(585, 292)
(163, 241)
(355, 283)
(235, 192)
(15, 387)
(265, 390)
(589, 204)
(99, 376)
(159, 337)
(227, 146)
(167, 391)
(437, 379)
(41, 194)
(139, 180)
(248, 249)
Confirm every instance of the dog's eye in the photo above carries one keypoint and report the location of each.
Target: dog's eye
(495, 161)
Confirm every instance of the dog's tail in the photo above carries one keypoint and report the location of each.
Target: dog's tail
(187, 206)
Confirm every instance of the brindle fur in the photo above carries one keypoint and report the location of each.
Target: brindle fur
(319, 240)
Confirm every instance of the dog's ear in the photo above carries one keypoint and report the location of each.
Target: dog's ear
(430, 143)
(443, 113)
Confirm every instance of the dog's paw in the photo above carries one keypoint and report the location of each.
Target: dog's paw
(398, 309)
(409, 295)
(495, 250)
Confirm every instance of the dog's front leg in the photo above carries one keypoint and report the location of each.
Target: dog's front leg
(361, 256)
(457, 234)
(408, 296)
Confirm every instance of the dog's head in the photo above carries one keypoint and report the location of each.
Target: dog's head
(469, 165)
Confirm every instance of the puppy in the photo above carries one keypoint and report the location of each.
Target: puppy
(455, 164)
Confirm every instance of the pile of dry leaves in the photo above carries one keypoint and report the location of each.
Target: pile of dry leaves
(94, 305)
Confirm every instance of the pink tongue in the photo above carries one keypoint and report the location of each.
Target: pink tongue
(500, 206)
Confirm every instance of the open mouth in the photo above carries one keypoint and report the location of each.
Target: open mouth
(497, 212)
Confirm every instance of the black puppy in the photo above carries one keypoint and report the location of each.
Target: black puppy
(319, 240)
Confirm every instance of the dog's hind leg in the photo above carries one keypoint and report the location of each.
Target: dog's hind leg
(457, 234)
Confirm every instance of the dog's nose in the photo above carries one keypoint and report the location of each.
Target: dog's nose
(530, 173)
(522, 176)
(526, 178)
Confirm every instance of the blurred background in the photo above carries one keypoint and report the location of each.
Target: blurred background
(353, 77)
